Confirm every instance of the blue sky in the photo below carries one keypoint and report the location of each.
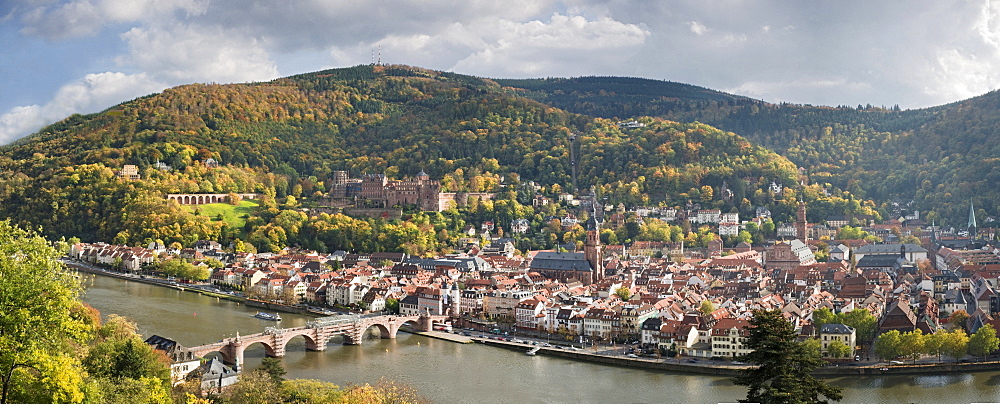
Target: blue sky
(81, 56)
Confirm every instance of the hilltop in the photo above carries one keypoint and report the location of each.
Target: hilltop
(286, 137)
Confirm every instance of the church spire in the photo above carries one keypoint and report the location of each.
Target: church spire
(972, 221)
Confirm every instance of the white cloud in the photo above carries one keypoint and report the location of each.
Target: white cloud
(781, 90)
(20, 121)
(181, 54)
(697, 28)
(87, 17)
(960, 75)
(91, 94)
(563, 44)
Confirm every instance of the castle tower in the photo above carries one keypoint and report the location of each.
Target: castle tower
(800, 223)
(592, 247)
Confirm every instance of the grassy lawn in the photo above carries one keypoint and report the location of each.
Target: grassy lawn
(234, 216)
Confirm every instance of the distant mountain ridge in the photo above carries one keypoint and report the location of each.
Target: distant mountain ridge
(938, 158)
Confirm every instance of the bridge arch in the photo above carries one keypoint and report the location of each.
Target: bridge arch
(223, 352)
(269, 349)
(313, 343)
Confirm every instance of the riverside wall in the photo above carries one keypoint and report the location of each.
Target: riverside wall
(732, 370)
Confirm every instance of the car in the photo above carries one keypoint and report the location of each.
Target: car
(547, 345)
(896, 362)
(632, 355)
(857, 358)
(576, 348)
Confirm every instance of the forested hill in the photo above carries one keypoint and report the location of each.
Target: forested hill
(285, 137)
(940, 158)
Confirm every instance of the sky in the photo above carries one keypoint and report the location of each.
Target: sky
(61, 57)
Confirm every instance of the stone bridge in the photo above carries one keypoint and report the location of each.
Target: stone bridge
(316, 334)
(201, 199)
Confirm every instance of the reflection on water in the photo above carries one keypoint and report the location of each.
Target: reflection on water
(447, 372)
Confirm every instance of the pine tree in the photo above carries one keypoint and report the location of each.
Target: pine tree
(782, 374)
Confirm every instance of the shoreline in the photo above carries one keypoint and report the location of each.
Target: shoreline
(709, 369)
(712, 369)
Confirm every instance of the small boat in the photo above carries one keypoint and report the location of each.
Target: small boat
(532, 351)
(267, 316)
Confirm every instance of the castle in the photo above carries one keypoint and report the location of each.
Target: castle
(421, 191)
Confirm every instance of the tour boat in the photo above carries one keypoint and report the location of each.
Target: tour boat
(267, 316)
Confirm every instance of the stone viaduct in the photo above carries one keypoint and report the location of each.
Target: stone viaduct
(316, 334)
(201, 199)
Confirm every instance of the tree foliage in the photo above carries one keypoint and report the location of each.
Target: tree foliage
(40, 321)
(984, 341)
(783, 365)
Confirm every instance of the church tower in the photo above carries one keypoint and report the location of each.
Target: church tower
(592, 247)
(972, 221)
(455, 296)
(800, 223)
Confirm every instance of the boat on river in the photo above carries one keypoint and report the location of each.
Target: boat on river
(267, 316)
(533, 351)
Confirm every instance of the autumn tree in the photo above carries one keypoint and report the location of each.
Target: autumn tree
(40, 318)
(623, 293)
(784, 365)
(958, 320)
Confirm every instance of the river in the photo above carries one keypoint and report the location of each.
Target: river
(448, 372)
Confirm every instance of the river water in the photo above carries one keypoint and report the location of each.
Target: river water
(448, 372)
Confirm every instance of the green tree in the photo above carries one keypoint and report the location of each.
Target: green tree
(984, 341)
(784, 365)
(274, 368)
(40, 318)
(889, 345)
(912, 344)
(823, 316)
(311, 391)
(392, 305)
(956, 343)
(862, 321)
(257, 387)
(838, 349)
(934, 343)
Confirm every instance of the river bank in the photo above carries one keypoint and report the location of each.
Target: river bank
(194, 289)
(717, 369)
(703, 368)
